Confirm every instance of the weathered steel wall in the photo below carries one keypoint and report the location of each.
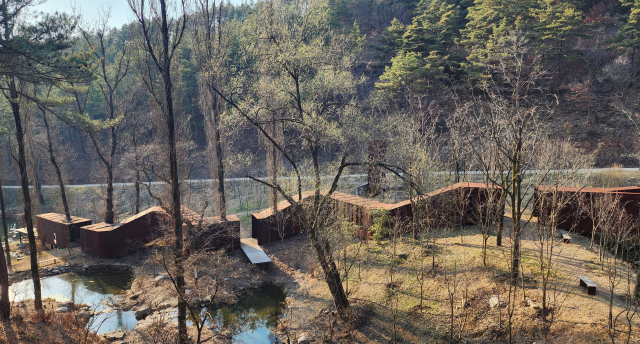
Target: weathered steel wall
(461, 203)
(575, 205)
(98, 240)
(216, 234)
(103, 240)
(267, 226)
(53, 228)
(444, 207)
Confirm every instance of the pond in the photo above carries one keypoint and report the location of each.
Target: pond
(94, 288)
(252, 319)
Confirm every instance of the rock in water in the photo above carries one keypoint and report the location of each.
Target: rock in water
(142, 313)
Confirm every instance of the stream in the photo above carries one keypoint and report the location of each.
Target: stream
(250, 321)
(94, 288)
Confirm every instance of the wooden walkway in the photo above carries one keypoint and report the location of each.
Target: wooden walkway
(255, 254)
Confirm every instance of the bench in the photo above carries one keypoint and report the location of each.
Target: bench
(566, 238)
(586, 282)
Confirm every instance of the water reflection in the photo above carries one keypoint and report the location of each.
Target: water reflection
(252, 318)
(94, 288)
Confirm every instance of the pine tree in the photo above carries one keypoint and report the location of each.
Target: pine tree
(429, 51)
(390, 41)
(34, 53)
(488, 20)
(437, 29)
(628, 37)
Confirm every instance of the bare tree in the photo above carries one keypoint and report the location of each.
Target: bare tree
(562, 162)
(52, 155)
(211, 44)
(111, 75)
(162, 28)
(506, 119)
(484, 212)
(137, 132)
(13, 95)
(315, 75)
(616, 226)
(7, 249)
(5, 305)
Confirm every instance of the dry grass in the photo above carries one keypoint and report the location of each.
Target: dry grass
(25, 326)
(578, 317)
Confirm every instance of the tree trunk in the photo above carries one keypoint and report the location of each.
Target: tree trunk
(500, 224)
(137, 186)
(5, 228)
(272, 165)
(110, 215)
(5, 306)
(322, 246)
(38, 187)
(517, 232)
(636, 291)
(173, 170)
(52, 158)
(137, 166)
(214, 145)
(331, 273)
(24, 182)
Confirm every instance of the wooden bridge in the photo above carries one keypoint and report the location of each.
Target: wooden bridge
(253, 251)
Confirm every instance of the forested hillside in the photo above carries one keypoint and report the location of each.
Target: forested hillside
(421, 61)
(445, 117)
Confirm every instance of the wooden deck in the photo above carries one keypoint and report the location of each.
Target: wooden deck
(22, 231)
(255, 254)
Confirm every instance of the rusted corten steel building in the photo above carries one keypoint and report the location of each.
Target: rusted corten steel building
(463, 202)
(443, 206)
(574, 215)
(54, 228)
(211, 233)
(268, 226)
(105, 240)
(358, 210)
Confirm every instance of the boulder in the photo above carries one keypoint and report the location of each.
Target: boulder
(142, 313)
(533, 305)
(62, 310)
(495, 301)
(160, 278)
(67, 304)
(115, 335)
(303, 339)
(169, 303)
